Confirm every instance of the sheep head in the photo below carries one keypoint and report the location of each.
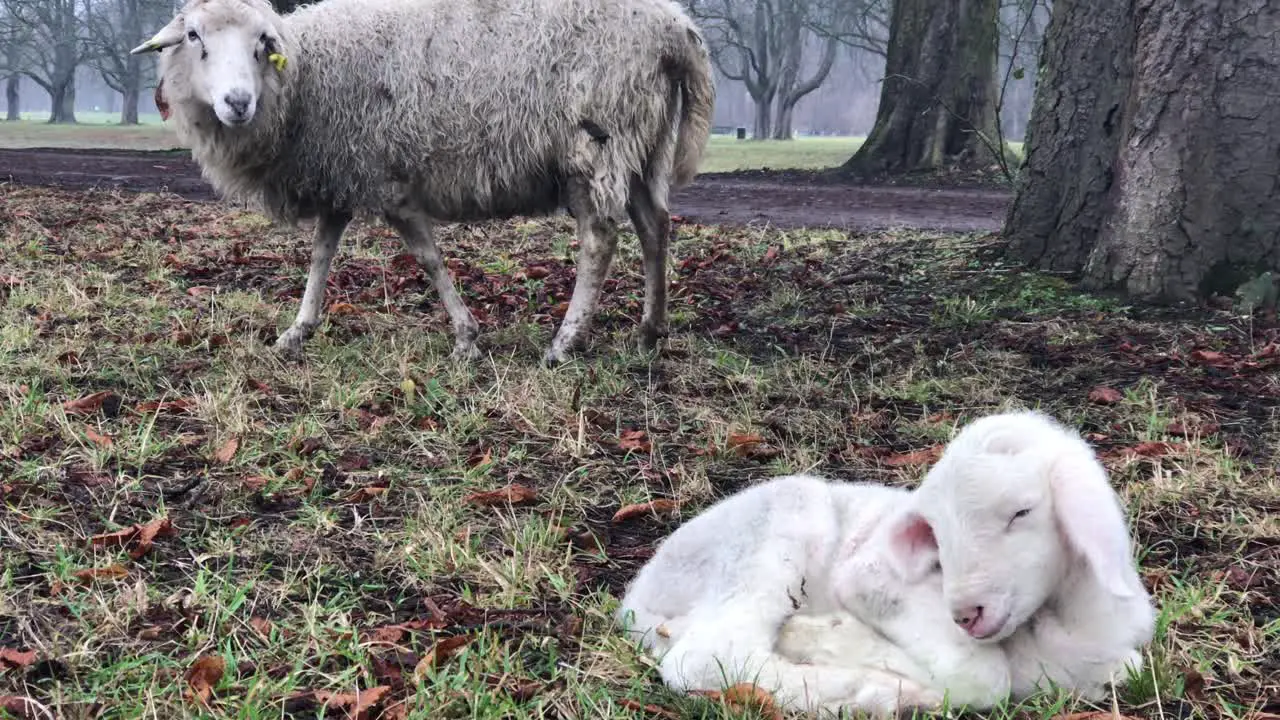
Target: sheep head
(221, 57)
(1014, 501)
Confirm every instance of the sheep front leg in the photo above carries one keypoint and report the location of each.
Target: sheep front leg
(324, 245)
(415, 228)
(598, 238)
(653, 227)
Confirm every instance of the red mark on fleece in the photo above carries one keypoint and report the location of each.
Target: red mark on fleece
(161, 104)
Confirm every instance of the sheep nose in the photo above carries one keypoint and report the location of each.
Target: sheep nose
(238, 101)
(968, 618)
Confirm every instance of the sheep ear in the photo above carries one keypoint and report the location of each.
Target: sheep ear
(168, 35)
(913, 549)
(1090, 518)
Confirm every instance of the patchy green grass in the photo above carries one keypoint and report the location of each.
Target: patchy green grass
(726, 153)
(94, 130)
(323, 526)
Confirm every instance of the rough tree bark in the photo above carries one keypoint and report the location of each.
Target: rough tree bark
(1152, 157)
(11, 98)
(938, 99)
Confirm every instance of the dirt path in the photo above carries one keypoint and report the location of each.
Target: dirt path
(720, 199)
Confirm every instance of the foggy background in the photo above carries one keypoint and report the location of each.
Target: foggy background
(829, 53)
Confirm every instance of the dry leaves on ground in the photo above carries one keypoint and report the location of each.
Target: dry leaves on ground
(746, 696)
(442, 651)
(139, 536)
(657, 507)
(202, 676)
(515, 494)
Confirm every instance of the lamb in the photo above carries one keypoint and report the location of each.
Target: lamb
(427, 111)
(712, 599)
(1064, 601)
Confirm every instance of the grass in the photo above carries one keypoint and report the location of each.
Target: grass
(325, 533)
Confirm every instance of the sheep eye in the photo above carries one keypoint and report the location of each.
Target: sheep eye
(193, 36)
(1020, 514)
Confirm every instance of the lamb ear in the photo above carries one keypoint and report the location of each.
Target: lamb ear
(168, 35)
(913, 549)
(1091, 520)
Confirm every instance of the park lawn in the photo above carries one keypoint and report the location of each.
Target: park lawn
(187, 515)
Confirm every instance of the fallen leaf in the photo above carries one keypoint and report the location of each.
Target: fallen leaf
(742, 444)
(11, 659)
(180, 405)
(356, 705)
(260, 386)
(1094, 715)
(97, 438)
(1181, 429)
(203, 674)
(1193, 684)
(343, 308)
(771, 254)
(225, 453)
(199, 290)
(110, 572)
(19, 707)
(308, 446)
(256, 482)
(634, 440)
(262, 626)
(1153, 449)
(657, 507)
(442, 651)
(351, 462)
(924, 456)
(650, 709)
(1105, 396)
(537, 272)
(1212, 358)
(514, 494)
(745, 696)
(88, 403)
(140, 536)
(365, 494)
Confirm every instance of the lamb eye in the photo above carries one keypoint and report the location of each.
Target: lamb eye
(1020, 514)
(193, 36)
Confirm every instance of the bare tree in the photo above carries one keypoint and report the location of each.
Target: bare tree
(762, 44)
(56, 45)
(114, 27)
(13, 37)
(1151, 154)
(938, 99)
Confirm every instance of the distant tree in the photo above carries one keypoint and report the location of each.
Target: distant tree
(13, 38)
(1151, 157)
(114, 27)
(938, 98)
(767, 45)
(55, 47)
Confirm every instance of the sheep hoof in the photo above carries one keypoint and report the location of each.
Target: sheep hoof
(554, 357)
(291, 341)
(466, 351)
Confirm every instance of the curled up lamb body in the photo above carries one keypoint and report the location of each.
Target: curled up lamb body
(425, 111)
(864, 597)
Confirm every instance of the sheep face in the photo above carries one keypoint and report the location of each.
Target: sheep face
(1013, 505)
(220, 56)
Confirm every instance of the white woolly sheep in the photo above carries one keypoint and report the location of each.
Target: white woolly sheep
(1035, 552)
(711, 600)
(425, 111)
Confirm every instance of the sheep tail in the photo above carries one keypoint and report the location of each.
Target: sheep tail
(697, 103)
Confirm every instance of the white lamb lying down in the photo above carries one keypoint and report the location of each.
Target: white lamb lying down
(712, 599)
(1035, 568)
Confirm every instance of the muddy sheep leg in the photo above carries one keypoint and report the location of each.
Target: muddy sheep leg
(415, 229)
(653, 226)
(598, 237)
(324, 245)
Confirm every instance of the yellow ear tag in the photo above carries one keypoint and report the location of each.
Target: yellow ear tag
(278, 60)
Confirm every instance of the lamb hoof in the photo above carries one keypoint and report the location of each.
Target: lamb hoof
(554, 357)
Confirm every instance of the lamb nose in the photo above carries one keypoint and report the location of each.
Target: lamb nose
(968, 618)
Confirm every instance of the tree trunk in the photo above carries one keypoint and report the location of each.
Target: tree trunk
(11, 98)
(132, 90)
(782, 129)
(938, 98)
(62, 101)
(1151, 156)
(762, 128)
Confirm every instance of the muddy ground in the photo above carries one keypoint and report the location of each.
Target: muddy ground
(786, 200)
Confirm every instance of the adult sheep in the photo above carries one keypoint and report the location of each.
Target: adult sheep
(426, 111)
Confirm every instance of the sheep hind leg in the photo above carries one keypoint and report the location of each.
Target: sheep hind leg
(415, 229)
(324, 245)
(653, 226)
(598, 238)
